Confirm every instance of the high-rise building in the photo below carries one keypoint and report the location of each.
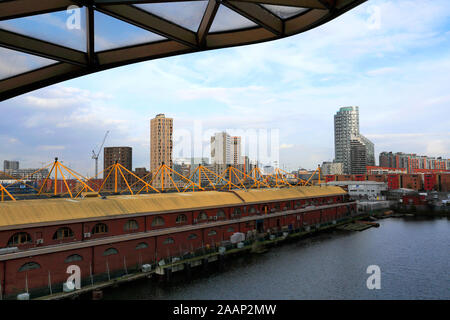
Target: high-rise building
(111, 155)
(10, 165)
(236, 150)
(346, 130)
(361, 154)
(221, 148)
(161, 144)
(226, 149)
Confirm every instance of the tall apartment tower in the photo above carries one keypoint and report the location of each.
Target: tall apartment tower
(122, 155)
(346, 130)
(236, 150)
(161, 143)
(221, 148)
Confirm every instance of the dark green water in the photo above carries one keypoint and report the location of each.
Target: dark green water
(413, 255)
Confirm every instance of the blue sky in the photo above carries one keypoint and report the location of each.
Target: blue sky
(390, 58)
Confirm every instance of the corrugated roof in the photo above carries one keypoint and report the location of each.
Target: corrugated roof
(257, 195)
(57, 210)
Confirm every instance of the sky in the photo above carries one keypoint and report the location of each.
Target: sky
(390, 58)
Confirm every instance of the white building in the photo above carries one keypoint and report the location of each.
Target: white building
(221, 148)
(225, 149)
(370, 190)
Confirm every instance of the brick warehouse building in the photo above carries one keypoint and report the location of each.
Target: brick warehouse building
(437, 181)
(145, 229)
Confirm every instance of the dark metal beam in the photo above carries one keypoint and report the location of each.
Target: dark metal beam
(312, 4)
(22, 8)
(207, 20)
(238, 37)
(257, 14)
(41, 48)
(37, 79)
(141, 52)
(90, 36)
(148, 21)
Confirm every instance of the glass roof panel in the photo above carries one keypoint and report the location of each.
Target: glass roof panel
(284, 12)
(14, 62)
(112, 33)
(187, 14)
(66, 28)
(226, 20)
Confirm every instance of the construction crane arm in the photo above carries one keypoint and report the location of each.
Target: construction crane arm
(104, 139)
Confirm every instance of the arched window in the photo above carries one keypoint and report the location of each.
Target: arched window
(220, 214)
(192, 236)
(110, 251)
(169, 241)
(131, 225)
(142, 245)
(252, 210)
(158, 221)
(63, 233)
(100, 228)
(202, 216)
(73, 257)
(29, 266)
(19, 238)
(181, 218)
(212, 233)
(230, 229)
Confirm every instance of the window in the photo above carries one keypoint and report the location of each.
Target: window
(131, 225)
(212, 233)
(100, 228)
(237, 211)
(252, 210)
(158, 221)
(202, 216)
(181, 218)
(142, 245)
(63, 233)
(192, 236)
(220, 214)
(169, 241)
(29, 266)
(110, 251)
(19, 238)
(73, 257)
(230, 229)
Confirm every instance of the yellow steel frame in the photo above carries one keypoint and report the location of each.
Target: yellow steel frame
(117, 170)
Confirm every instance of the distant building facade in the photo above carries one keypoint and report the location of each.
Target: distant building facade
(332, 168)
(413, 162)
(161, 144)
(111, 155)
(10, 165)
(221, 148)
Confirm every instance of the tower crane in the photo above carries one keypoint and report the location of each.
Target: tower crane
(95, 155)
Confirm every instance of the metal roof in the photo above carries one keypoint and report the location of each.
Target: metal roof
(43, 42)
(55, 211)
(259, 195)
